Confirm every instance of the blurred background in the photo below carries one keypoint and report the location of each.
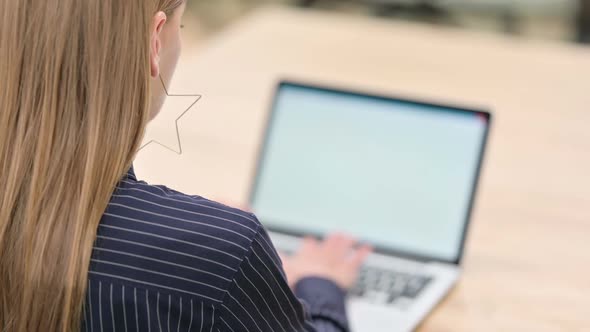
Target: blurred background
(527, 61)
(563, 20)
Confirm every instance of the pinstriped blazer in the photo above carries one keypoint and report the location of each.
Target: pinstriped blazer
(166, 261)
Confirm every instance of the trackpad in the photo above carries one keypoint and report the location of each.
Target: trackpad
(365, 316)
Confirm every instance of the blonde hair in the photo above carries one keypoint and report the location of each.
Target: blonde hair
(74, 101)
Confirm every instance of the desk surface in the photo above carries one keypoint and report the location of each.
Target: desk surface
(527, 265)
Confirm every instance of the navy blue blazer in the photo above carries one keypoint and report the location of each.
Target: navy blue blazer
(166, 261)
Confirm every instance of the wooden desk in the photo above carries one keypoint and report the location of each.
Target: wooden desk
(528, 254)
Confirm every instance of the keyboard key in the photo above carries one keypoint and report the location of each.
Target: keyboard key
(376, 297)
(416, 286)
(386, 286)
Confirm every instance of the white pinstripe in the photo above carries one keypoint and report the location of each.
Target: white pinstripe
(170, 227)
(200, 205)
(276, 281)
(147, 302)
(152, 284)
(246, 311)
(112, 310)
(212, 319)
(169, 197)
(269, 255)
(90, 305)
(100, 303)
(136, 315)
(161, 261)
(270, 246)
(167, 238)
(124, 305)
(159, 273)
(179, 316)
(158, 311)
(169, 307)
(176, 218)
(272, 292)
(264, 300)
(236, 317)
(190, 325)
(253, 304)
(226, 324)
(202, 317)
(166, 250)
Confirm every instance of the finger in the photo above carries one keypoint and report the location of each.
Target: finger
(336, 240)
(340, 243)
(360, 255)
(308, 244)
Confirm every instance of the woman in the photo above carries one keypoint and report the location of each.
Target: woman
(84, 245)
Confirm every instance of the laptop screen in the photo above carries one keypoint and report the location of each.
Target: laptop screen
(394, 173)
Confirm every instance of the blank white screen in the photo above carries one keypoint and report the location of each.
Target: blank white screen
(396, 174)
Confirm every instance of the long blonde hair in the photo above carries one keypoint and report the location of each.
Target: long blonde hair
(74, 101)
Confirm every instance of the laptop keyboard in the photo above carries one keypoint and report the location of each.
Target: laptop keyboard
(386, 286)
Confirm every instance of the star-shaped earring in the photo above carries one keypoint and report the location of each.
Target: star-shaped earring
(175, 107)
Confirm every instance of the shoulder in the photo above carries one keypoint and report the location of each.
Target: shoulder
(194, 212)
(154, 235)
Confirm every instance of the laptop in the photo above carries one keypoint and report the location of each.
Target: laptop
(396, 173)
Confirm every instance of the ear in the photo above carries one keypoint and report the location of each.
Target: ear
(156, 43)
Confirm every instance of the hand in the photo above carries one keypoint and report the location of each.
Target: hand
(336, 258)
